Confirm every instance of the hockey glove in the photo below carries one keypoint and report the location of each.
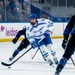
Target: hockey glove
(34, 44)
(64, 43)
(65, 40)
(15, 40)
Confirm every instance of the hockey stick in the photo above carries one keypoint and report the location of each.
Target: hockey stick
(34, 54)
(6, 64)
(37, 51)
(73, 61)
(42, 54)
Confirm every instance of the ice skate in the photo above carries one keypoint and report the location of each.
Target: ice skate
(56, 73)
(50, 62)
(55, 60)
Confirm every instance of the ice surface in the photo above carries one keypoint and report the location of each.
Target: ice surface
(27, 66)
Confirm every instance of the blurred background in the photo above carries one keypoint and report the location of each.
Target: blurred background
(19, 10)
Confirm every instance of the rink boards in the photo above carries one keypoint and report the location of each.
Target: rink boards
(9, 30)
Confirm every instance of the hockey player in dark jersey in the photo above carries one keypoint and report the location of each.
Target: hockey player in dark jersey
(24, 44)
(67, 44)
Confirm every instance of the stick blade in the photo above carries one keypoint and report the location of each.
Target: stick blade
(5, 64)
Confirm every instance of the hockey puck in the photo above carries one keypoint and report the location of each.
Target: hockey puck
(9, 67)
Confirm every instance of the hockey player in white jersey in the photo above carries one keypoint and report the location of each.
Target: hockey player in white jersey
(36, 30)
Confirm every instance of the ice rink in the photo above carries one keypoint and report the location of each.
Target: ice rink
(27, 66)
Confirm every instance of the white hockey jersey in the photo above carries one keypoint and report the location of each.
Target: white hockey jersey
(37, 32)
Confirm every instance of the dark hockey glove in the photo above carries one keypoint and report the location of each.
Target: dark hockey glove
(15, 40)
(64, 43)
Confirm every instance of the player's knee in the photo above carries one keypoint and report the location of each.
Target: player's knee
(68, 55)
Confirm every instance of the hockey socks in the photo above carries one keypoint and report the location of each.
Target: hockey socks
(14, 55)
